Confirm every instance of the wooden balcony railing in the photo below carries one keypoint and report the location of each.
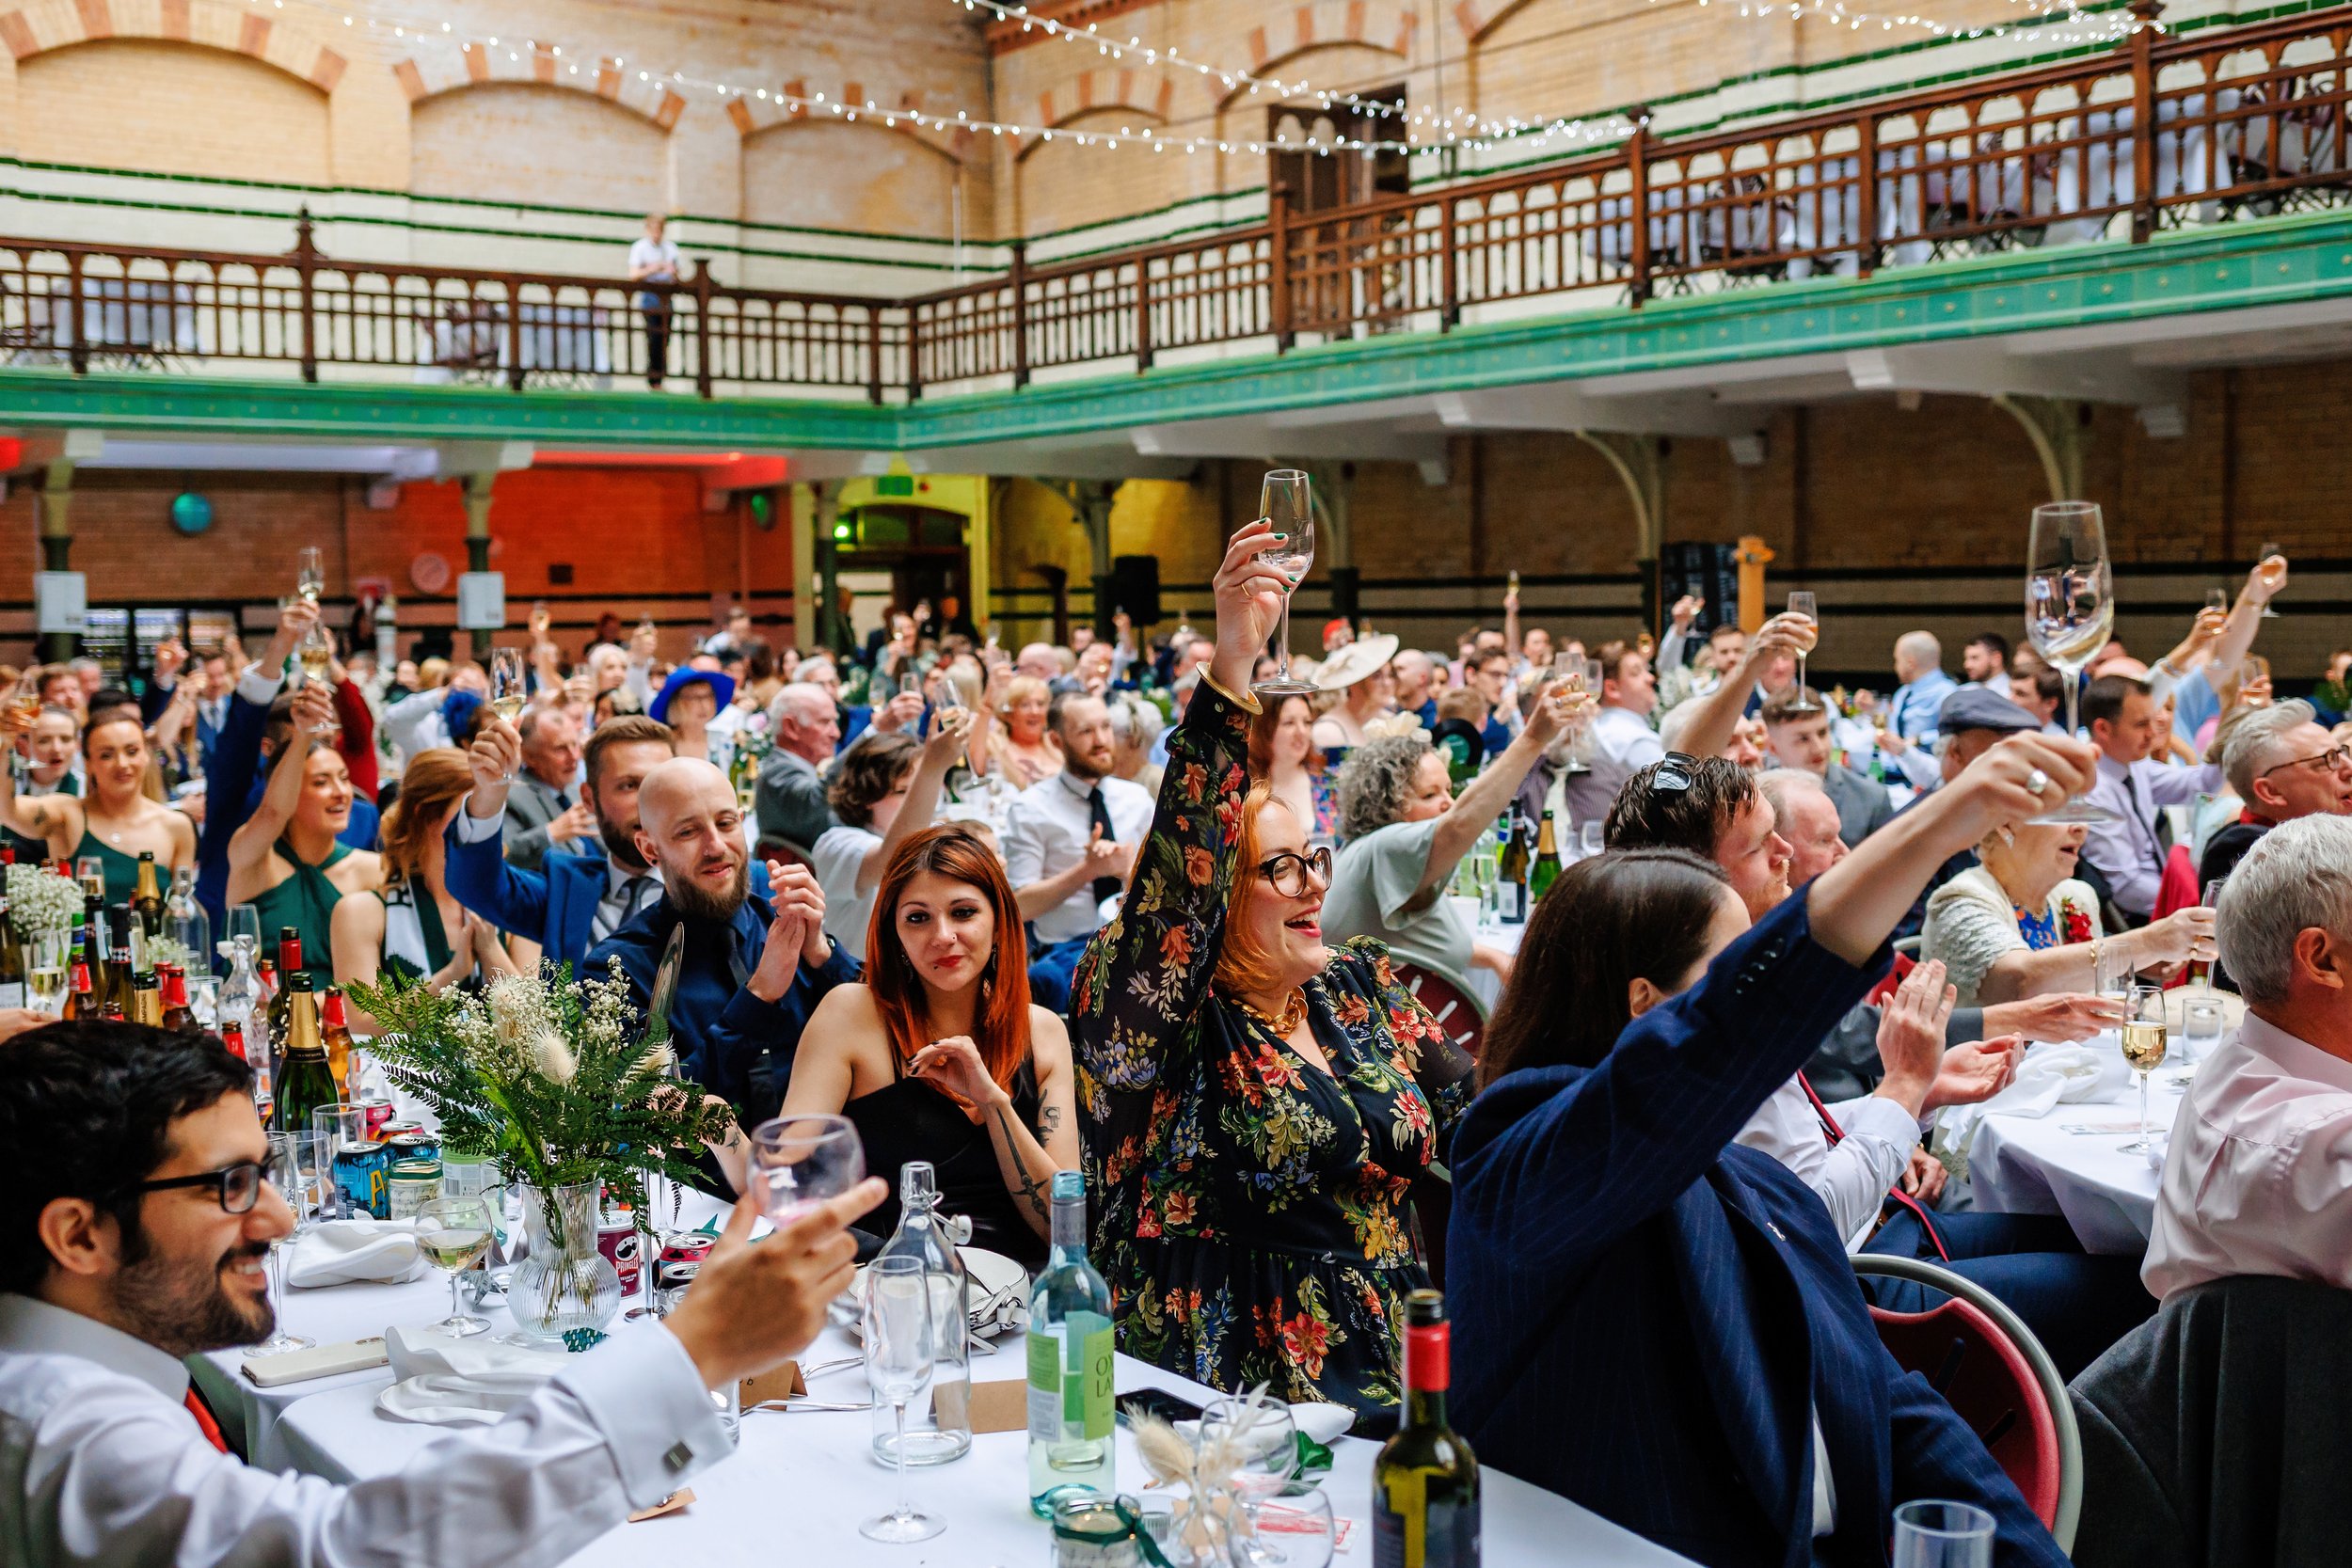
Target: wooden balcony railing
(2248, 121)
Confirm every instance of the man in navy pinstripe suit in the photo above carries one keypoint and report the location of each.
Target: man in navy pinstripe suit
(1649, 1319)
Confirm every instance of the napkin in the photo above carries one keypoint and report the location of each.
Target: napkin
(335, 1252)
(1325, 1423)
(2050, 1076)
(441, 1380)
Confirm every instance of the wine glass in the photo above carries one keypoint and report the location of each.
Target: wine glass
(2265, 554)
(2218, 598)
(91, 873)
(45, 975)
(283, 1171)
(309, 574)
(454, 1233)
(1293, 1529)
(799, 1160)
(1287, 502)
(2143, 1050)
(508, 685)
(1801, 603)
(2070, 611)
(316, 654)
(900, 1346)
(24, 696)
(1263, 1435)
(1929, 1534)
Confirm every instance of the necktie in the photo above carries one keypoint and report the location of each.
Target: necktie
(204, 1422)
(563, 800)
(612, 916)
(1099, 815)
(735, 966)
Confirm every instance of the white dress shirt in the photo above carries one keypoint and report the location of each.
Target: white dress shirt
(1853, 1176)
(2255, 1179)
(1046, 832)
(2125, 850)
(104, 1464)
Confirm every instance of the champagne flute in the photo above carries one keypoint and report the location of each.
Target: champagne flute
(309, 574)
(2211, 899)
(2070, 611)
(800, 1160)
(1801, 603)
(900, 1346)
(2263, 556)
(2143, 1049)
(508, 685)
(454, 1233)
(24, 697)
(245, 926)
(283, 1171)
(2217, 598)
(1287, 502)
(44, 979)
(316, 654)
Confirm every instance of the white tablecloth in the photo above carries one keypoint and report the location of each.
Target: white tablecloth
(2035, 1165)
(796, 1490)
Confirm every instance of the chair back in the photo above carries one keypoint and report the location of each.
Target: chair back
(1451, 1000)
(1988, 1365)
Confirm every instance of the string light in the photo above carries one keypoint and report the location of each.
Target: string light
(2051, 21)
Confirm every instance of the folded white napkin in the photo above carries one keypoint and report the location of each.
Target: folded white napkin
(442, 1380)
(2050, 1076)
(1325, 1423)
(335, 1252)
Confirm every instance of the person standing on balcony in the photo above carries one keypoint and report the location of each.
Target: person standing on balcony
(654, 259)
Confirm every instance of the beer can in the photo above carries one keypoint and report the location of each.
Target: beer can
(414, 1146)
(361, 1173)
(378, 1112)
(623, 1248)
(409, 1186)
(392, 1130)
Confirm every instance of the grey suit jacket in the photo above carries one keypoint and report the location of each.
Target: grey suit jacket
(531, 805)
(1863, 806)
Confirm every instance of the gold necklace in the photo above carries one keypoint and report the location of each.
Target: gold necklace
(1283, 1024)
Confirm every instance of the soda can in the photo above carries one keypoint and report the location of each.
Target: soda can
(378, 1112)
(414, 1146)
(623, 1248)
(361, 1173)
(392, 1130)
(410, 1185)
(682, 1255)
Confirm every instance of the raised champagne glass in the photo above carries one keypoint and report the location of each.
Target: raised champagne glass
(2070, 611)
(1287, 502)
(309, 574)
(509, 687)
(2271, 575)
(1801, 603)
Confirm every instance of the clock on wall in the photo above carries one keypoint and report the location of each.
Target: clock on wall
(191, 514)
(429, 573)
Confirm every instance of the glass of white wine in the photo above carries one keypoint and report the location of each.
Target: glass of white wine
(2070, 611)
(1287, 502)
(1801, 603)
(24, 697)
(44, 976)
(310, 573)
(509, 687)
(454, 1233)
(2143, 1050)
(316, 654)
(2271, 575)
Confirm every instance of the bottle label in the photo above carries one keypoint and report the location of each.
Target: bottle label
(1410, 1531)
(11, 993)
(1071, 1380)
(1511, 901)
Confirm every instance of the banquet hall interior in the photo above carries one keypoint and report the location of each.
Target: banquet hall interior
(412, 413)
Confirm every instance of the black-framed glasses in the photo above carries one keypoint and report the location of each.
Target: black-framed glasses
(1290, 871)
(1672, 774)
(2328, 760)
(237, 1187)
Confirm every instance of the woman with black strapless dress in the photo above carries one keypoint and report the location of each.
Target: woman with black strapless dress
(939, 1053)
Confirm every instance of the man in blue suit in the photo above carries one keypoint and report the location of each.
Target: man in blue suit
(577, 900)
(1662, 1324)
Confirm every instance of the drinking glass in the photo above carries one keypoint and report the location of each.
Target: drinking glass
(1590, 839)
(314, 1169)
(245, 926)
(91, 873)
(2115, 972)
(1288, 503)
(2144, 1051)
(1294, 1529)
(2268, 552)
(1264, 1435)
(24, 697)
(2218, 598)
(283, 1171)
(900, 1348)
(508, 687)
(1801, 603)
(45, 976)
(340, 1126)
(454, 1233)
(1942, 1535)
(315, 652)
(2070, 611)
(2210, 898)
(2200, 1028)
(310, 573)
(797, 1161)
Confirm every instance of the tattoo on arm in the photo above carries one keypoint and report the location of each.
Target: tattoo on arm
(1032, 1192)
(1049, 1118)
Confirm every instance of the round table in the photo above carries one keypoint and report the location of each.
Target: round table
(2072, 1163)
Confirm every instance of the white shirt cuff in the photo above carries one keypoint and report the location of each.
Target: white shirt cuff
(259, 685)
(473, 830)
(644, 1395)
(1877, 1116)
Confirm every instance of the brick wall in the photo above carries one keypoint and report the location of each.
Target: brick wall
(793, 173)
(148, 104)
(514, 140)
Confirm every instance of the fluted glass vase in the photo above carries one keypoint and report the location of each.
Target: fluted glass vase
(563, 1291)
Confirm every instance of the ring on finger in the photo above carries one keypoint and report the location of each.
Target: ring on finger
(2038, 782)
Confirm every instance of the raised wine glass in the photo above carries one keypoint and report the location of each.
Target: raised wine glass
(2268, 553)
(454, 1233)
(2070, 611)
(1801, 603)
(799, 1160)
(310, 573)
(284, 1171)
(1287, 502)
(900, 1346)
(2143, 1050)
(509, 688)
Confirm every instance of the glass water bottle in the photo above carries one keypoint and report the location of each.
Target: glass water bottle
(940, 1430)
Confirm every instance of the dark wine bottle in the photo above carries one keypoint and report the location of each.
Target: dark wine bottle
(1511, 876)
(11, 960)
(1424, 1483)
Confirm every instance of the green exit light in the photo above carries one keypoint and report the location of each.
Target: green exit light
(842, 532)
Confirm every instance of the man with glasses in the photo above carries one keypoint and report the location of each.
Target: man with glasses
(136, 1228)
(2281, 765)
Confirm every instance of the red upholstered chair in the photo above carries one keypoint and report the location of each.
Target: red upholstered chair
(1982, 1358)
(1450, 999)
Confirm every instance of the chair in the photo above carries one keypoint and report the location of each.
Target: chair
(1451, 1001)
(1982, 1358)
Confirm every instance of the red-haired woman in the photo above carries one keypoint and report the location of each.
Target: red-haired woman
(939, 1055)
(1258, 1105)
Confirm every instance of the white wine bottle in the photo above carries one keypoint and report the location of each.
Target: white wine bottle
(1069, 1352)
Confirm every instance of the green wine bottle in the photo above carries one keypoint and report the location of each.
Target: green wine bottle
(1546, 870)
(305, 1082)
(1424, 1483)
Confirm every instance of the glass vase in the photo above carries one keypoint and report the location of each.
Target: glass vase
(565, 1291)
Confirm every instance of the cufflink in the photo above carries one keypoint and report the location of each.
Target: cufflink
(679, 1457)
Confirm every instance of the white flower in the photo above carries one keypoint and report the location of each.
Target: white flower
(40, 900)
(656, 1062)
(553, 1057)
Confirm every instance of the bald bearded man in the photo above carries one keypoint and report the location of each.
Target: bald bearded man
(756, 960)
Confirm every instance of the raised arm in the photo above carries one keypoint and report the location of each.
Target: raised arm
(1475, 809)
(947, 740)
(1719, 710)
(314, 716)
(52, 817)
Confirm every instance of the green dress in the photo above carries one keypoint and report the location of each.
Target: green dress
(304, 901)
(122, 871)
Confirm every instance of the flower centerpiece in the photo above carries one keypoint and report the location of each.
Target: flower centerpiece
(40, 900)
(552, 1081)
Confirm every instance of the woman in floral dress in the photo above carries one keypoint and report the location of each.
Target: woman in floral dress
(1256, 1107)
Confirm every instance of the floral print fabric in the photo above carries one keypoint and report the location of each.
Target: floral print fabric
(1251, 1212)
